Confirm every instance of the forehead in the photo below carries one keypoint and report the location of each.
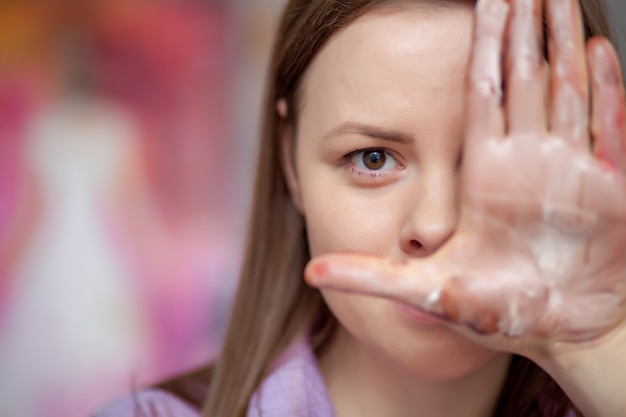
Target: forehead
(396, 53)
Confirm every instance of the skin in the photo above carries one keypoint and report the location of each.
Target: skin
(536, 264)
(357, 93)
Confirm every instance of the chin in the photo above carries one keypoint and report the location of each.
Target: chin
(420, 347)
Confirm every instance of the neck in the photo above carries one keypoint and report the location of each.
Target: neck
(363, 382)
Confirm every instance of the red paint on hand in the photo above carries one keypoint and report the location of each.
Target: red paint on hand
(320, 269)
(606, 163)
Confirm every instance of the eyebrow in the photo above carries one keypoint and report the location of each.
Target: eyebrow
(371, 131)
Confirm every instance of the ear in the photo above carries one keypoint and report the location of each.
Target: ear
(286, 142)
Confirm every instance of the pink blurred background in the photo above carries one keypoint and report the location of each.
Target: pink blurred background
(127, 142)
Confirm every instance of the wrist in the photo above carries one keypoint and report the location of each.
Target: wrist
(593, 374)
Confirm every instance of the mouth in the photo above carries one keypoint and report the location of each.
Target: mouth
(416, 314)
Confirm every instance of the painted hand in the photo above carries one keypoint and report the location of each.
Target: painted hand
(539, 255)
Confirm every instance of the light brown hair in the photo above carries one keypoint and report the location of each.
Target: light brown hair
(273, 305)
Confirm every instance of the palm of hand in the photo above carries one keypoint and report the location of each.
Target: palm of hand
(540, 247)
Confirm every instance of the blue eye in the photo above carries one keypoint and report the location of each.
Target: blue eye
(373, 160)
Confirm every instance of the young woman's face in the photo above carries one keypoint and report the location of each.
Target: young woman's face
(376, 163)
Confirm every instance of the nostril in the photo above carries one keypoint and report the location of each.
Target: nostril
(415, 244)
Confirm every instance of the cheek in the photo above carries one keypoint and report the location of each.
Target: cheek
(359, 314)
(346, 219)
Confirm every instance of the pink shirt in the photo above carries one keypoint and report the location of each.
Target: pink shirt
(295, 388)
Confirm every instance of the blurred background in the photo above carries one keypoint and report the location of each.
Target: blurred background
(127, 144)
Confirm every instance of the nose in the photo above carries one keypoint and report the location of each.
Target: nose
(432, 216)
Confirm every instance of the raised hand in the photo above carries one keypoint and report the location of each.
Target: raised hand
(539, 254)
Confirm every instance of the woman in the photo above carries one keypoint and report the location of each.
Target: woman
(489, 220)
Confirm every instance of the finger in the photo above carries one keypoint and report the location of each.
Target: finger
(569, 112)
(608, 120)
(417, 284)
(485, 306)
(524, 95)
(484, 113)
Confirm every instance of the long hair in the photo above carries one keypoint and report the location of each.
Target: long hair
(273, 305)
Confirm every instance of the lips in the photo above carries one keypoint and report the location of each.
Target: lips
(416, 314)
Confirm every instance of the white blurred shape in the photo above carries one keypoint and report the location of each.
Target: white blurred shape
(69, 283)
